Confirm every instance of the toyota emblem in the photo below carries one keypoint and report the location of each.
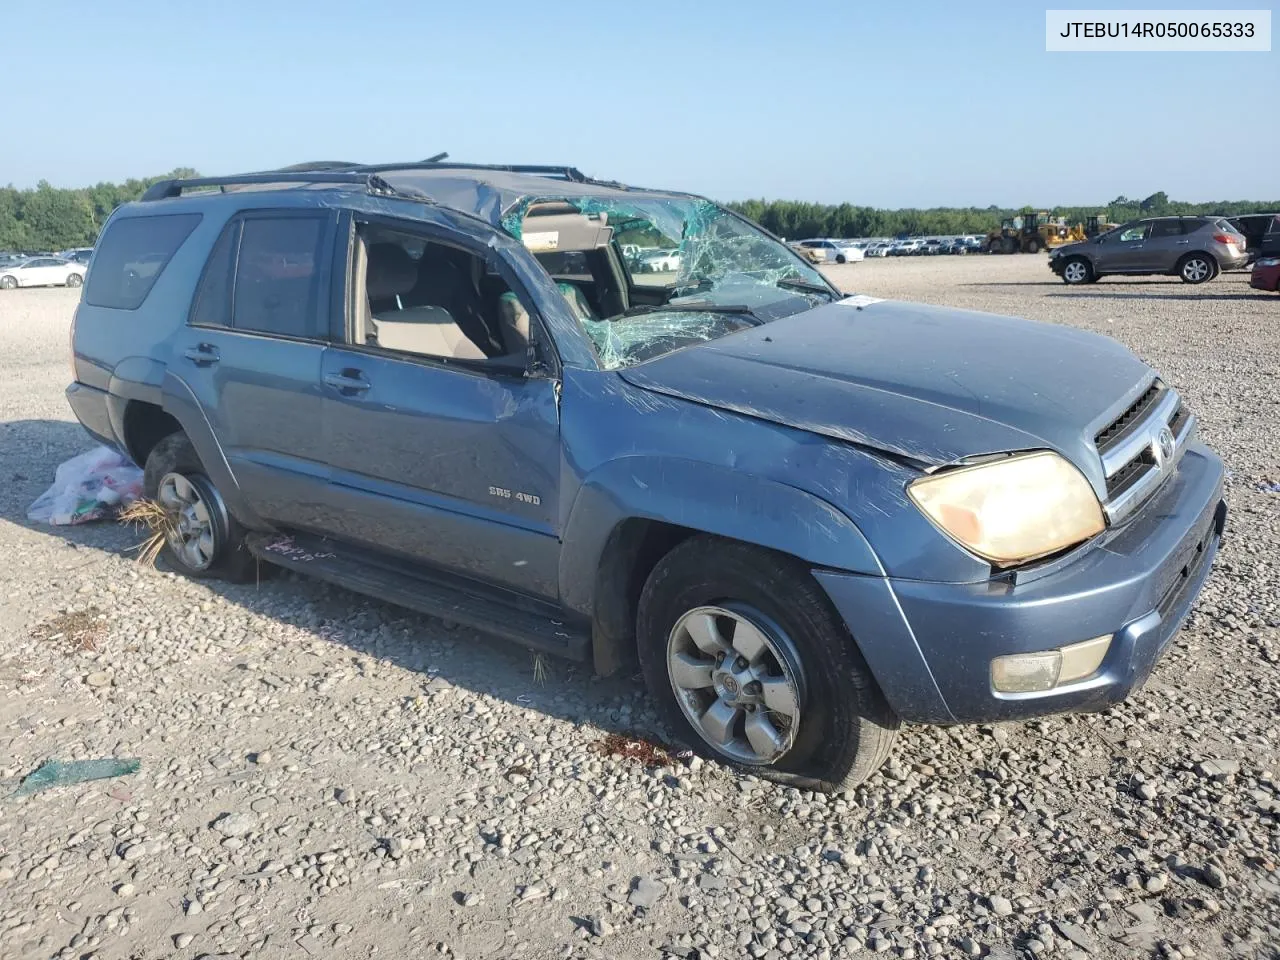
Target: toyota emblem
(1163, 448)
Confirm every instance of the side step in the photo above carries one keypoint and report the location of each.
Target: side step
(525, 620)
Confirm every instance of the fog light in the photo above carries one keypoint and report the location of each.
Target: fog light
(1081, 660)
(1026, 672)
(1037, 672)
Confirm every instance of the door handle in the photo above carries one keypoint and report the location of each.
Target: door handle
(1182, 242)
(348, 381)
(203, 355)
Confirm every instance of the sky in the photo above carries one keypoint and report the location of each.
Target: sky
(887, 103)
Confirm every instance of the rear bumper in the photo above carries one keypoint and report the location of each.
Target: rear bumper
(89, 404)
(930, 645)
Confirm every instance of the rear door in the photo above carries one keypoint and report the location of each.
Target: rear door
(251, 354)
(1165, 244)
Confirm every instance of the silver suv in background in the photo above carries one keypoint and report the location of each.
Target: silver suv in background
(1193, 248)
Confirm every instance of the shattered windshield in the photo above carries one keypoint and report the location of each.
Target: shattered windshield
(695, 272)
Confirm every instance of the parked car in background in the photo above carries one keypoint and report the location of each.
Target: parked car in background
(1262, 231)
(849, 252)
(1266, 274)
(41, 272)
(880, 249)
(932, 246)
(1195, 249)
(612, 471)
(79, 255)
(658, 261)
(905, 248)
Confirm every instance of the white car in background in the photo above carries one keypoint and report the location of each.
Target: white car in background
(658, 261)
(880, 249)
(849, 252)
(42, 272)
(831, 251)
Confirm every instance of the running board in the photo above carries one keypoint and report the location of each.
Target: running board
(525, 620)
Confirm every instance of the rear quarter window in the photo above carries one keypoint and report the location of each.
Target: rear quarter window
(131, 256)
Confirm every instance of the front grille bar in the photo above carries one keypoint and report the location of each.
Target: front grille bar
(1135, 467)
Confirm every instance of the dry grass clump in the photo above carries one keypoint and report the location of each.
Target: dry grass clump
(156, 520)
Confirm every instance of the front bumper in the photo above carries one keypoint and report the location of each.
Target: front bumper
(930, 645)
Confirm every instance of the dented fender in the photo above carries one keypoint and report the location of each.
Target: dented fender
(709, 499)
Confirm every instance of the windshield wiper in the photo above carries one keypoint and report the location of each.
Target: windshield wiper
(805, 285)
(690, 306)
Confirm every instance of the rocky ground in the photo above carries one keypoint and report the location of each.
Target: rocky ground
(322, 775)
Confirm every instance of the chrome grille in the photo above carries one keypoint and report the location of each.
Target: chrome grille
(1134, 459)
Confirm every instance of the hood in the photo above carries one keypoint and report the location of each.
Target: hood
(1078, 246)
(931, 384)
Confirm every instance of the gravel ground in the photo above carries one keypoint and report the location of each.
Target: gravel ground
(326, 775)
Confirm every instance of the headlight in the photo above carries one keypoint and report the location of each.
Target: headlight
(1013, 510)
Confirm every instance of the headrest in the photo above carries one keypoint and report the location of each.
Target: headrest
(391, 271)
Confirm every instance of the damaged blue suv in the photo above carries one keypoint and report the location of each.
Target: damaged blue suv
(809, 516)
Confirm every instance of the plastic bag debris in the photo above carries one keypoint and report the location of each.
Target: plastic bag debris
(55, 773)
(91, 486)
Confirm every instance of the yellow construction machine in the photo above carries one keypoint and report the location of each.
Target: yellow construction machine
(1028, 233)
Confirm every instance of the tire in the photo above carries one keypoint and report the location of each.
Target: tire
(74, 280)
(1077, 270)
(172, 463)
(1033, 246)
(994, 247)
(1197, 268)
(8, 283)
(841, 728)
(840, 258)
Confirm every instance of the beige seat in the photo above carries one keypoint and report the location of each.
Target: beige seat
(426, 330)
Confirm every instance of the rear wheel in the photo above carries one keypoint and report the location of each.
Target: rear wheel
(1197, 268)
(74, 280)
(202, 538)
(1033, 246)
(840, 258)
(8, 283)
(994, 246)
(751, 665)
(1077, 270)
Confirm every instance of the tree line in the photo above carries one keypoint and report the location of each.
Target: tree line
(793, 219)
(56, 218)
(53, 218)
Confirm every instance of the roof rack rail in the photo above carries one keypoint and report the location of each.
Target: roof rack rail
(544, 170)
(165, 189)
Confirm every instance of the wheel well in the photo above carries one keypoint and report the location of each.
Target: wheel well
(145, 425)
(632, 551)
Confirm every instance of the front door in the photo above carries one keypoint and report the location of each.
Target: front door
(1124, 251)
(251, 357)
(442, 449)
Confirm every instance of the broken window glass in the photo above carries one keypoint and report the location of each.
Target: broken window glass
(685, 247)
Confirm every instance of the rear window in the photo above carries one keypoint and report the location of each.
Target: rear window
(131, 256)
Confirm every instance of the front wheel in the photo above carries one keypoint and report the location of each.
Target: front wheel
(74, 280)
(840, 258)
(1077, 270)
(8, 283)
(751, 665)
(1033, 246)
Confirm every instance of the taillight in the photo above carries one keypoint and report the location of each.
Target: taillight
(1227, 238)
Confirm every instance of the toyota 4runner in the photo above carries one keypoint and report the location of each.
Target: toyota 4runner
(809, 516)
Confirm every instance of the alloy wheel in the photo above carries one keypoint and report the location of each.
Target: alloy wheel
(192, 535)
(737, 678)
(1075, 272)
(1195, 270)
